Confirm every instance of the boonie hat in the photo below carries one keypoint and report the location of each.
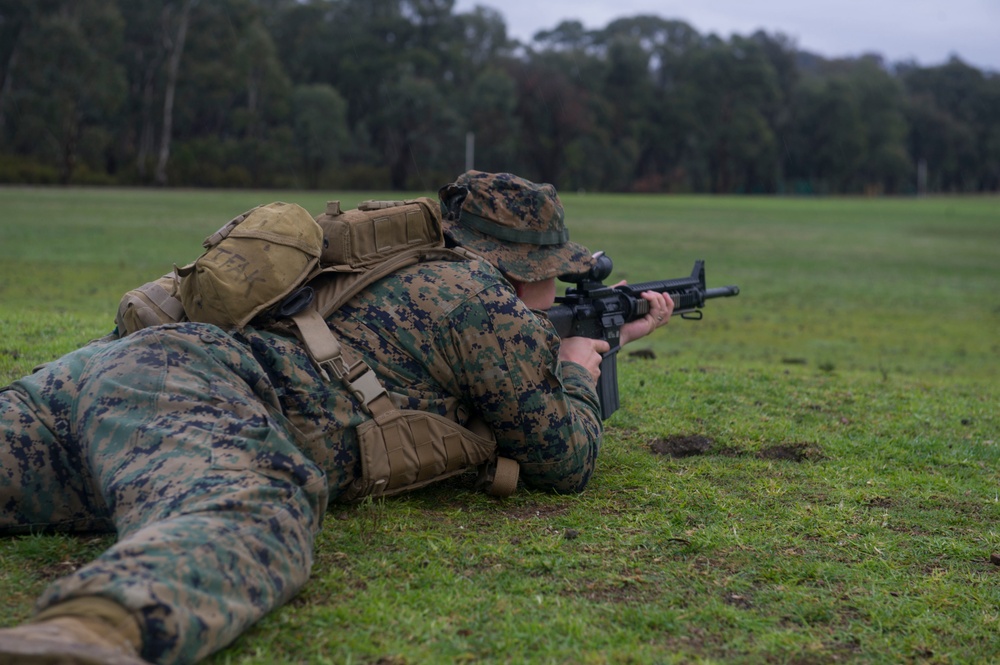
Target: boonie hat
(515, 224)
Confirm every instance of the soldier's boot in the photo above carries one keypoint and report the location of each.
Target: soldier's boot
(82, 631)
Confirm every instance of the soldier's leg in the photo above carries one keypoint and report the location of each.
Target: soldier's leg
(45, 483)
(215, 506)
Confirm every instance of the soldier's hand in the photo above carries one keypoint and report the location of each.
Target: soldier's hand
(661, 306)
(584, 351)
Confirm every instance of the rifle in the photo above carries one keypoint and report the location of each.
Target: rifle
(591, 309)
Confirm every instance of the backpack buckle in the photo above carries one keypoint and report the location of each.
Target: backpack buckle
(365, 386)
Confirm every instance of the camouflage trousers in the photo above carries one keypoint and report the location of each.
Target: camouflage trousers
(174, 438)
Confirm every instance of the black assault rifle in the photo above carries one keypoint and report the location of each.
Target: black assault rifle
(591, 309)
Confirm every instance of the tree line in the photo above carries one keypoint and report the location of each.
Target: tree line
(399, 94)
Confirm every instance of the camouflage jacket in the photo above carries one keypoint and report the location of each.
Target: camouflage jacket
(450, 338)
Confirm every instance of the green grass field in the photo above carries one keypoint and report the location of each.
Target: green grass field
(808, 475)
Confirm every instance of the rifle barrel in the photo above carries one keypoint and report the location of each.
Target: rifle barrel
(722, 292)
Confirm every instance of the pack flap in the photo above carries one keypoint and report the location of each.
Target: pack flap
(257, 264)
(355, 240)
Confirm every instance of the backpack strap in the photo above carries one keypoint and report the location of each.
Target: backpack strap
(395, 454)
(390, 456)
(333, 287)
(324, 348)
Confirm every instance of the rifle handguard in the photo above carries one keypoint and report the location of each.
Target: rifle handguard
(591, 309)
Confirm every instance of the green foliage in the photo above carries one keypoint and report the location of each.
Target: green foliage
(851, 124)
(105, 92)
(806, 475)
(490, 106)
(72, 81)
(321, 133)
(26, 171)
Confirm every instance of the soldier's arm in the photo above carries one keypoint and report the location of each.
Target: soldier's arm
(545, 413)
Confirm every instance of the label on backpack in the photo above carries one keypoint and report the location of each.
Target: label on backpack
(253, 264)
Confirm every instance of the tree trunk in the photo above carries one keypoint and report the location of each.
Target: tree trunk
(147, 124)
(70, 144)
(145, 129)
(253, 93)
(8, 81)
(173, 68)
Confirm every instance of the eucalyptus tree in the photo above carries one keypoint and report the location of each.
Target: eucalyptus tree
(19, 21)
(954, 115)
(321, 135)
(559, 107)
(553, 112)
(489, 108)
(651, 93)
(826, 145)
(732, 89)
(886, 165)
(62, 84)
(414, 129)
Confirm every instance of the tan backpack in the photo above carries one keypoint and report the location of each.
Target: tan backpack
(261, 257)
(281, 268)
(253, 262)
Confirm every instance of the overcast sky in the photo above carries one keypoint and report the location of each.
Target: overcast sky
(928, 31)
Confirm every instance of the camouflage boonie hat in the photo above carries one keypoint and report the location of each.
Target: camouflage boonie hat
(515, 224)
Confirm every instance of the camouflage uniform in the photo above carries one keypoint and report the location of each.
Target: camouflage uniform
(213, 455)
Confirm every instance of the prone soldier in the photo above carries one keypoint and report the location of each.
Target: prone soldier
(212, 453)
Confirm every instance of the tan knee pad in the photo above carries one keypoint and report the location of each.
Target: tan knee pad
(105, 622)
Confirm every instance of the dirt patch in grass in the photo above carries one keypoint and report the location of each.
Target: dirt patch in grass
(720, 563)
(54, 571)
(689, 445)
(682, 445)
(623, 591)
(740, 600)
(794, 452)
(392, 660)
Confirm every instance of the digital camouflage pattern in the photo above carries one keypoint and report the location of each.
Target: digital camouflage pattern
(516, 224)
(213, 455)
(456, 340)
(183, 448)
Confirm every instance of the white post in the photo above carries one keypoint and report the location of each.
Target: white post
(470, 150)
(921, 177)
